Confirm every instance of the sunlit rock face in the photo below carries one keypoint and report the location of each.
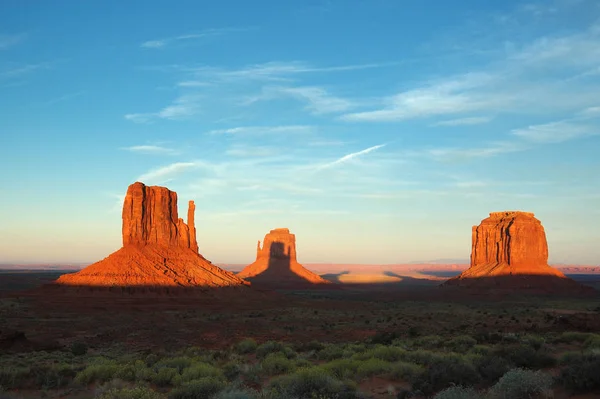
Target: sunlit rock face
(509, 250)
(159, 249)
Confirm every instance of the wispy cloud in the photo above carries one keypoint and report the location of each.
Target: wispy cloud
(453, 96)
(64, 97)
(349, 157)
(166, 173)
(7, 41)
(181, 108)
(475, 120)
(23, 69)
(530, 77)
(162, 43)
(253, 130)
(489, 150)
(319, 100)
(273, 71)
(150, 149)
(555, 132)
(250, 151)
(193, 83)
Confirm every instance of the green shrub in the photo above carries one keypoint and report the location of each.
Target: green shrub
(237, 394)
(429, 341)
(311, 383)
(572, 336)
(14, 377)
(386, 338)
(521, 384)
(534, 341)
(276, 364)
(180, 363)
(582, 374)
(130, 393)
(198, 389)
(330, 352)
(200, 370)
(569, 357)
(491, 368)
(373, 367)
(79, 348)
(54, 376)
(165, 376)
(450, 370)
(527, 357)
(423, 357)
(483, 350)
(342, 369)
(461, 344)
(457, 393)
(389, 353)
(231, 370)
(101, 372)
(269, 347)
(592, 342)
(405, 371)
(246, 346)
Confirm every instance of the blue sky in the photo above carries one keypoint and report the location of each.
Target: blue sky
(377, 131)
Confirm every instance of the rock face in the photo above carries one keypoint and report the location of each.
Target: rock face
(150, 218)
(509, 250)
(159, 249)
(276, 262)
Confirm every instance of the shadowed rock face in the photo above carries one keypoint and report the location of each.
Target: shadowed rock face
(159, 249)
(276, 262)
(509, 250)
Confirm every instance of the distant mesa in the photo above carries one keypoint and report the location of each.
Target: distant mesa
(159, 249)
(276, 262)
(510, 251)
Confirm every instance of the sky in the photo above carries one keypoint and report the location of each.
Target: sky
(377, 131)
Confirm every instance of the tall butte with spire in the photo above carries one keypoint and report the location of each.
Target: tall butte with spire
(159, 248)
(276, 262)
(509, 250)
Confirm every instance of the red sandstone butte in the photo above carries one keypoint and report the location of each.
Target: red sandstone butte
(509, 249)
(276, 262)
(159, 249)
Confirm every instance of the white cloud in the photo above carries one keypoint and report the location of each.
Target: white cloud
(139, 118)
(154, 43)
(453, 96)
(250, 151)
(247, 130)
(492, 149)
(64, 98)
(161, 43)
(590, 112)
(475, 120)
(319, 100)
(277, 70)
(168, 172)
(7, 41)
(555, 132)
(22, 70)
(150, 149)
(349, 157)
(182, 107)
(193, 83)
